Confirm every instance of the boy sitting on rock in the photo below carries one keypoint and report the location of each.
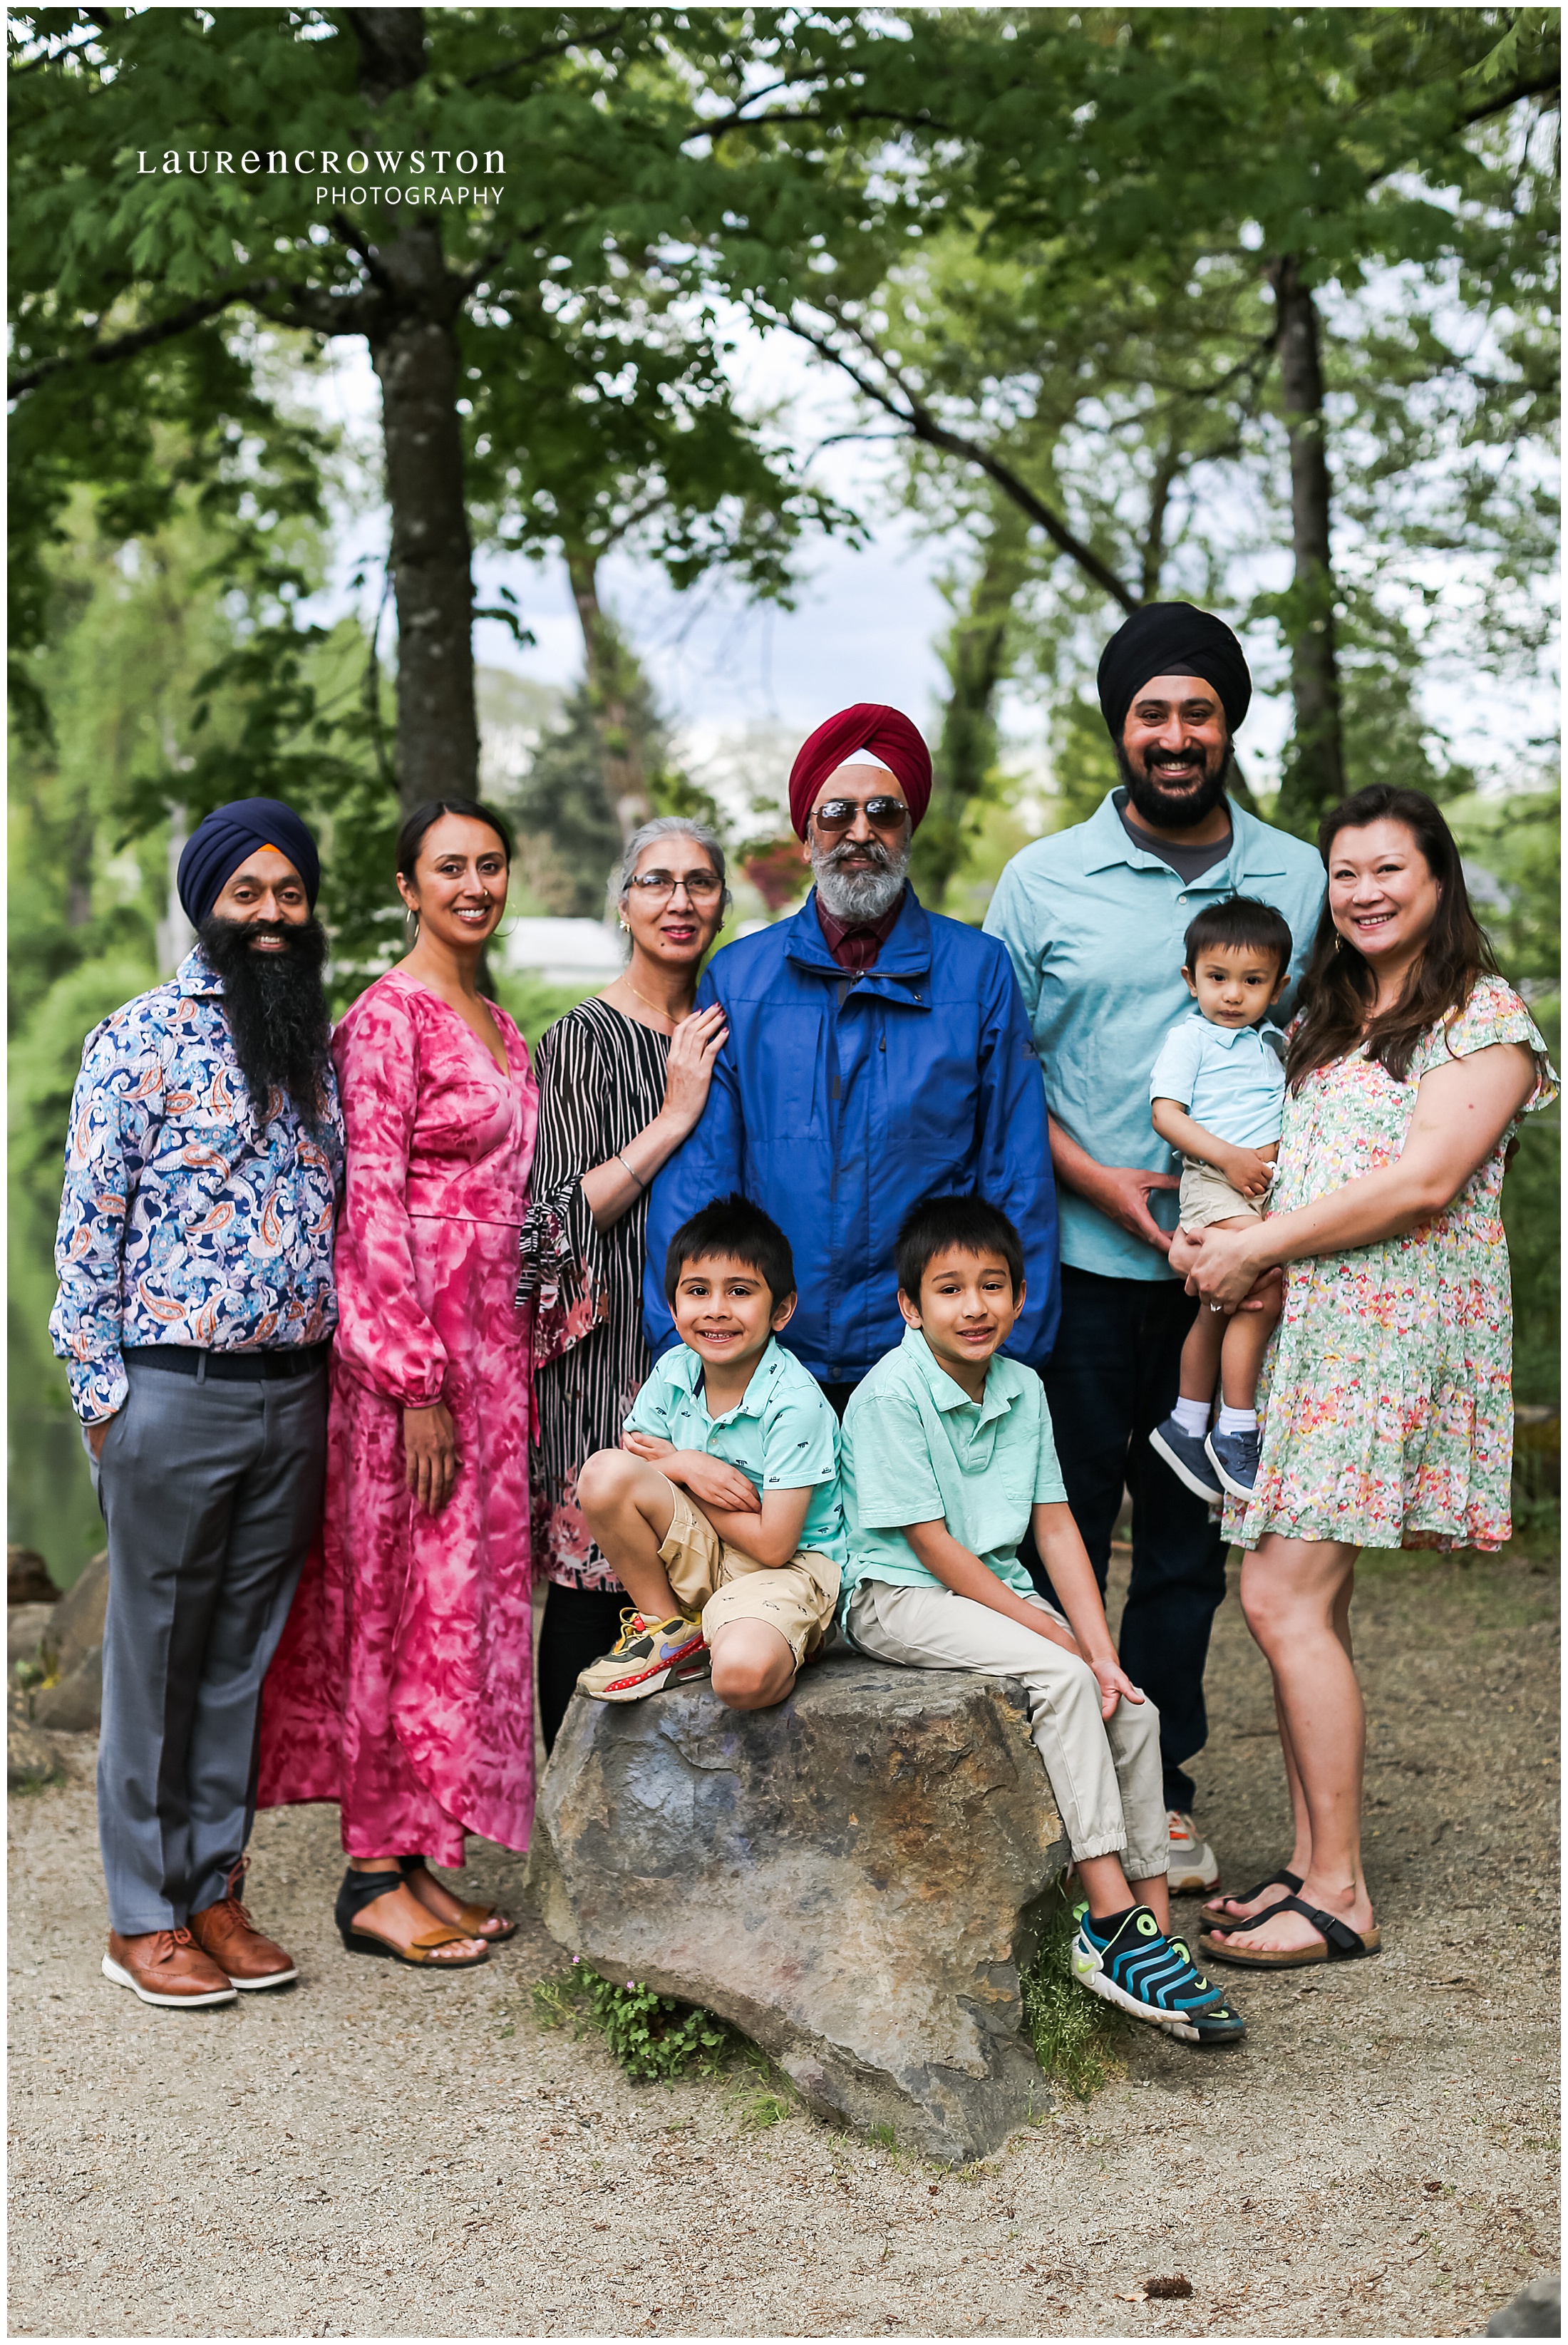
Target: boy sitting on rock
(947, 1452)
(720, 1511)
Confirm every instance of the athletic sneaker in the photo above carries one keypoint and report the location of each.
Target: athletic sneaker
(646, 1655)
(1141, 1970)
(1234, 1457)
(1187, 1459)
(1220, 2024)
(1193, 1868)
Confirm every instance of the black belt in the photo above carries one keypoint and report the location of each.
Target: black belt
(228, 1367)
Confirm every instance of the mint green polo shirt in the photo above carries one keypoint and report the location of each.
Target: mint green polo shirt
(1094, 927)
(782, 1433)
(915, 1446)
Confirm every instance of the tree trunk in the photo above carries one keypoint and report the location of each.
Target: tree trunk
(975, 658)
(1314, 777)
(414, 346)
(625, 783)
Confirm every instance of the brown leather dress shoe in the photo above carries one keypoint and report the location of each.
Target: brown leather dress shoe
(166, 1966)
(246, 1958)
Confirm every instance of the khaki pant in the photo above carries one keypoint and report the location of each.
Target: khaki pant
(1205, 1196)
(1106, 1779)
(723, 1583)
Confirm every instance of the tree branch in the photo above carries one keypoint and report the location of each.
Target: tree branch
(550, 49)
(144, 338)
(919, 423)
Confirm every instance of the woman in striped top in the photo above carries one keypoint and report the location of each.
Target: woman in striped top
(623, 1079)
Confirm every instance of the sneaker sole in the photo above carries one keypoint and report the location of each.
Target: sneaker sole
(273, 1978)
(119, 1976)
(635, 1689)
(1191, 1885)
(1184, 1474)
(1242, 1490)
(1088, 1974)
(1187, 2033)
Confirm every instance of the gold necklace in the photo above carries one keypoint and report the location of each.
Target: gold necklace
(657, 1007)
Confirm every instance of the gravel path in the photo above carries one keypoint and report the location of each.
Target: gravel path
(375, 2153)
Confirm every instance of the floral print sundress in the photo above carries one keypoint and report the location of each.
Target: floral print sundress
(1386, 1398)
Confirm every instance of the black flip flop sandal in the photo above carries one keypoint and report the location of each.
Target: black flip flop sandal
(1340, 1943)
(1212, 1917)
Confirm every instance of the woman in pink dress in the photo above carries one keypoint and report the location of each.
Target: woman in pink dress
(403, 1687)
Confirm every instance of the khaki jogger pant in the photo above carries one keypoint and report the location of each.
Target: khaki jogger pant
(1106, 1778)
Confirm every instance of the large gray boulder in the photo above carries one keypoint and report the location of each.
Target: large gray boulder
(1535, 2312)
(72, 1650)
(852, 1879)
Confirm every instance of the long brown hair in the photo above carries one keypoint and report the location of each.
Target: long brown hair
(1338, 985)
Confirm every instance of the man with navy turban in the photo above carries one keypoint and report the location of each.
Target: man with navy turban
(195, 1310)
(1094, 919)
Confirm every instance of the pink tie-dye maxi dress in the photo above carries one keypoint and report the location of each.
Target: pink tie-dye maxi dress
(403, 1686)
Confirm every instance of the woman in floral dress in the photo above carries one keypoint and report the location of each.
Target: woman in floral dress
(1386, 1398)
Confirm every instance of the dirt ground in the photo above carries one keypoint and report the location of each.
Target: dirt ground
(376, 2153)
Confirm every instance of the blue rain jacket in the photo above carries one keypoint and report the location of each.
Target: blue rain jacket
(838, 1102)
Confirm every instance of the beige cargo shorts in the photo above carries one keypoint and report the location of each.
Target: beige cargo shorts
(723, 1583)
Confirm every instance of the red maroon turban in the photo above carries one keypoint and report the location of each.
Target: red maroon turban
(891, 740)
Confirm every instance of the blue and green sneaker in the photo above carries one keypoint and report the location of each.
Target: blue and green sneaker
(1140, 1969)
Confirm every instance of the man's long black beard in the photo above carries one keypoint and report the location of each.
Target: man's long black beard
(276, 1009)
(1163, 809)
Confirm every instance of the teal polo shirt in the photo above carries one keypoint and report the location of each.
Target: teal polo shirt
(1094, 927)
(916, 1447)
(782, 1433)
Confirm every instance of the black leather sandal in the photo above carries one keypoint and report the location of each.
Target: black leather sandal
(361, 1889)
(1340, 1943)
(1213, 1915)
(470, 1922)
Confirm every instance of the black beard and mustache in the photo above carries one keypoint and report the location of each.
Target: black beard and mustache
(1164, 810)
(277, 1011)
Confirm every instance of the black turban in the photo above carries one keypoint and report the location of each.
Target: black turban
(1172, 639)
(221, 842)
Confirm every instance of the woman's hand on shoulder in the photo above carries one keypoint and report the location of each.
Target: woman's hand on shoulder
(693, 1047)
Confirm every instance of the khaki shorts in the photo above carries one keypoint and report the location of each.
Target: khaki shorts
(1207, 1196)
(723, 1583)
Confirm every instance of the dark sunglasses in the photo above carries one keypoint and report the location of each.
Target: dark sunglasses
(881, 814)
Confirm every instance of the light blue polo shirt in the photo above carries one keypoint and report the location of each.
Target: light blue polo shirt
(782, 1433)
(1094, 927)
(1229, 1079)
(917, 1448)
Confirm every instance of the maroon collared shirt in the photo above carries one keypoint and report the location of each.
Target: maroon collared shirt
(856, 945)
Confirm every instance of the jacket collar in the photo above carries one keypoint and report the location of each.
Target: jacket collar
(1257, 848)
(906, 954)
(945, 1391)
(688, 1366)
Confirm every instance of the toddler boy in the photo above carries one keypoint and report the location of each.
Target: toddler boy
(1217, 1090)
(947, 1459)
(721, 1510)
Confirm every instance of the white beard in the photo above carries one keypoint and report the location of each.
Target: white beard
(859, 894)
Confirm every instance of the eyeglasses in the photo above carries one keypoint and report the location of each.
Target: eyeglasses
(657, 887)
(881, 814)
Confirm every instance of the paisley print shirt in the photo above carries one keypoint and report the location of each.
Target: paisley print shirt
(182, 1221)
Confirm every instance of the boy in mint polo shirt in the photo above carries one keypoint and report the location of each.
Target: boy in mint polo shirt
(721, 1510)
(947, 1459)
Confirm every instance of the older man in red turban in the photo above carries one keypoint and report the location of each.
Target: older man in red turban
(877, 1054)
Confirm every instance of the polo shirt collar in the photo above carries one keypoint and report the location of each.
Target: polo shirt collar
(945, 1391)
(1256, 851)
(1228, 1036)
(689, 1365)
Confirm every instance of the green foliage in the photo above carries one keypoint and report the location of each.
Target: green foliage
(652, 2036)
(1075, 2033)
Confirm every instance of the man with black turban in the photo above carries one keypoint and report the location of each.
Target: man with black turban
(1094, 919)
(196, 1310)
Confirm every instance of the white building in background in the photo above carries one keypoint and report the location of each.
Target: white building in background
(563, 952)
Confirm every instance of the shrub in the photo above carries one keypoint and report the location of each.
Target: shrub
(651, 2035)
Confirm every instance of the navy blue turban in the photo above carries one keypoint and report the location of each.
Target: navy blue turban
(221, 842)
(1172, 639)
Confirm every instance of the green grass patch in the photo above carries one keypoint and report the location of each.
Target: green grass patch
(652, 2036)
(1075, 2036)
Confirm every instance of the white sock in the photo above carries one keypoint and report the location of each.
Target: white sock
(1191, 1417)
(1237, 1420)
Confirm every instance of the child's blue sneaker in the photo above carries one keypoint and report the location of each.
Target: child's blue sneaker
(1234, 1457)
(1220, 2024)
(1188, 1457)
(1141, 1970)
